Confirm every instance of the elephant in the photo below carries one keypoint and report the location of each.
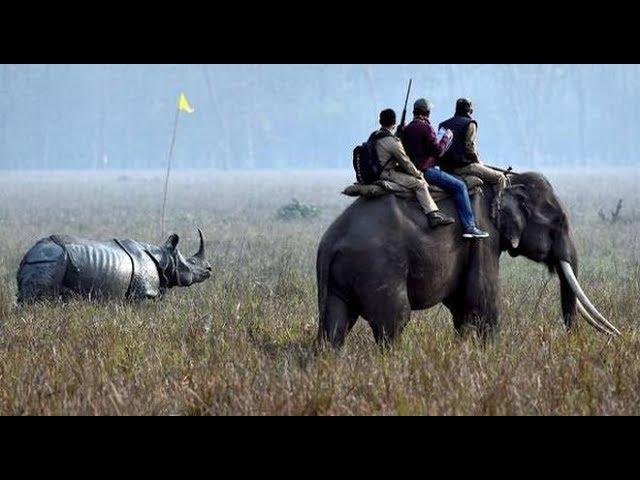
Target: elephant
(379, 260)
(59, 266)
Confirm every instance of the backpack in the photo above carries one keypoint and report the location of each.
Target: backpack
(365, 158)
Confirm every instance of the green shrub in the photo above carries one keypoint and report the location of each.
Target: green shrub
(295, 210)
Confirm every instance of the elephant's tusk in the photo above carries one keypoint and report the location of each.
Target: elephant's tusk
(591, 321)
(582, 297)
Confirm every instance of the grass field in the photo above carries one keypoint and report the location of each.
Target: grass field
(242, 342)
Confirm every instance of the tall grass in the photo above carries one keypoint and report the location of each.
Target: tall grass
(243, 342)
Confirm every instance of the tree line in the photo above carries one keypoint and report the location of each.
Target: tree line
(305, 116)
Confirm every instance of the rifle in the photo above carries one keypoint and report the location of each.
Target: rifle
(404, 112)
(501, 170)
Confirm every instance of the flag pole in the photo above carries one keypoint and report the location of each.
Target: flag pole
(166, 177)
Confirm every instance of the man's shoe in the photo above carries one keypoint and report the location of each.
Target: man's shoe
(474, 232)
(437, 219)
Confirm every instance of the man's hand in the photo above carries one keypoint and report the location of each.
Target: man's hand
(444, 134)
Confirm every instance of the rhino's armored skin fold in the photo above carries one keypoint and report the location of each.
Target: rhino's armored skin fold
(59, 266)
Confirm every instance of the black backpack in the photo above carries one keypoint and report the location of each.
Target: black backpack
(365, 158)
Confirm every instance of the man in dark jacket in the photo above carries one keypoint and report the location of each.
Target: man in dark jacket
(424, 149)
(462, 157)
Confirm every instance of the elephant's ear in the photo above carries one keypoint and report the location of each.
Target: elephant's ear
(513, 214)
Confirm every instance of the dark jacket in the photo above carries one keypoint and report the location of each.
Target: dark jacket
(456, 156)
(421, 144)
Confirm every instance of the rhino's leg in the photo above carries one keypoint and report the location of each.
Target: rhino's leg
(41, 273)
(339, 320)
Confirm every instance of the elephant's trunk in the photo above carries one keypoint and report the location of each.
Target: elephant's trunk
(568, 299)
(564, 250)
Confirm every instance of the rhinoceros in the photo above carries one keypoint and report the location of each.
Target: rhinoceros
(59, 266)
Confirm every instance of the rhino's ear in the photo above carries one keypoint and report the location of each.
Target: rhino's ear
(172, 242)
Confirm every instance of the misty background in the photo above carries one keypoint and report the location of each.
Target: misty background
(306, 116)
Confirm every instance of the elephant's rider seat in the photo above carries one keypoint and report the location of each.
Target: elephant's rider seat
(385, 187)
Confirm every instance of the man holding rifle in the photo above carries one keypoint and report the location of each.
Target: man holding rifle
(402, 171)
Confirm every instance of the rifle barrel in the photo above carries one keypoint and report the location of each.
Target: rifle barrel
(502, 170)
(404, 110)
(408, 91)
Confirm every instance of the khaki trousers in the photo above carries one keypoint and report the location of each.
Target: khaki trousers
(485, 174)
(417, 185)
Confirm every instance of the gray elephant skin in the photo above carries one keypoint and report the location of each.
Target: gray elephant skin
(379, 260)
(61, 266)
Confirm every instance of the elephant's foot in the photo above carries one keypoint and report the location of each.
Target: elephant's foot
(480, 330)
(480, 321)
(474, 324)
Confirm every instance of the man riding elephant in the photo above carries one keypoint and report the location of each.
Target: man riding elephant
(424, 149)
(462, 157)
(398, 168)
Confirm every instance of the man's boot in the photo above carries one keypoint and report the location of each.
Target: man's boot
(437, 219)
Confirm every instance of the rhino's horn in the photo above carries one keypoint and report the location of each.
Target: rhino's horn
(200, 253)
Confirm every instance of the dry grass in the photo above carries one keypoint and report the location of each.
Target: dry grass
(242, 343)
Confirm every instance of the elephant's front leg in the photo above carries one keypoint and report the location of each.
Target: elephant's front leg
(474, 303)
(477, 323)
(475, 310)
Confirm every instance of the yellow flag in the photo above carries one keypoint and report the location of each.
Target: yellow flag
(183, 104)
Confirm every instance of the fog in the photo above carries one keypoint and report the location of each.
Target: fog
(306, 116)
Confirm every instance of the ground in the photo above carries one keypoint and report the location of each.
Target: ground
(242, 342)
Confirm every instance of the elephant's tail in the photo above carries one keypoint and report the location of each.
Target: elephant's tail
(323, 271)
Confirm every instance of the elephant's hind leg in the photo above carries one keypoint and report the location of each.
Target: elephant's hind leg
(338, 321)
(388, 314)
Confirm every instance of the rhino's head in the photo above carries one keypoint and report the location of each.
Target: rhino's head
(177, 271)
